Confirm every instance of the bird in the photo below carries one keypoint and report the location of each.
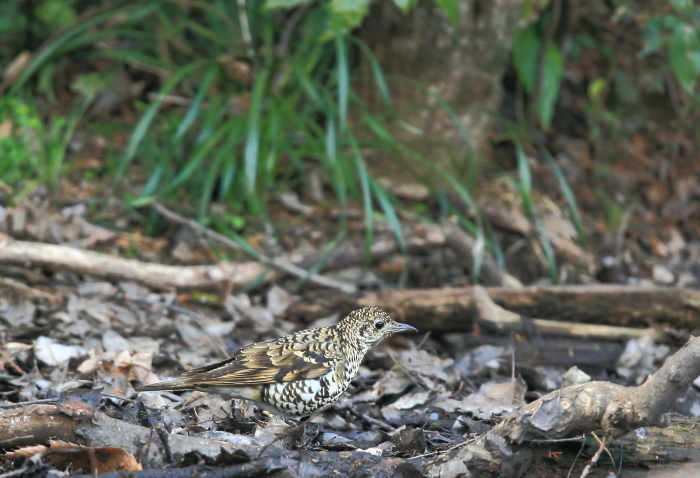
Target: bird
(298, 374)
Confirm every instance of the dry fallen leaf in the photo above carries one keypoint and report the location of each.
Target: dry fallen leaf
(52, 353)
(64, 455)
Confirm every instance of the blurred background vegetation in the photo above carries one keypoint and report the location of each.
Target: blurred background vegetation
(219, 105)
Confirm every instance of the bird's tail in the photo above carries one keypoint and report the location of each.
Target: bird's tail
(172, 385)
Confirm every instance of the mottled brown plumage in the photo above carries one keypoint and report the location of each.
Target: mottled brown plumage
(297, 374)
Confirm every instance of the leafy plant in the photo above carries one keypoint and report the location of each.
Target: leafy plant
(540, 66)
(33, 149)
(678, 33)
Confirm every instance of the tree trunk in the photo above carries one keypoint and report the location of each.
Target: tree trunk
(461, 64)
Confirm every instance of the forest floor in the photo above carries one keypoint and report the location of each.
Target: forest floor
(90, 309)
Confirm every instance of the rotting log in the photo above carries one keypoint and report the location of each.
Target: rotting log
(453, 309)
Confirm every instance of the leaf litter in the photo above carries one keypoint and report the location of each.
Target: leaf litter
(96, 341)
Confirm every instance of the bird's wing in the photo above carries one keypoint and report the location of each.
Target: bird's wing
(295, 357)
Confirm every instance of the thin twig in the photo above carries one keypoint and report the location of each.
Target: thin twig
(447, 450)
(423, 340)
(286, 433)
(7, 360)
(371, 420)
(560, 440)
(594, 460)
(406, 371)
(165, 439)
(31, 402)
(283, 265)
(607, 450)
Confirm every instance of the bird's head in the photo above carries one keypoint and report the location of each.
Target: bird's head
(370, 325)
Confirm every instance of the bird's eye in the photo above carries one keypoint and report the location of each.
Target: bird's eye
(379, 325)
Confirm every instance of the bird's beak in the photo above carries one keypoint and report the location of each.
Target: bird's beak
(403, 328)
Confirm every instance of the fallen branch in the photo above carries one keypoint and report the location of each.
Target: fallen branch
(454, 309)
(572, 411)
(495, 317)
(157, 276)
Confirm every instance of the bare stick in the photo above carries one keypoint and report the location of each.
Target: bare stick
(157, 276)
(504, 320)
(594, 460)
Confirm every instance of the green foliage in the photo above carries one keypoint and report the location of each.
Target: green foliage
(540, 69)
(524, 186)
(679, 33)
(345, 15)
(33, 149)
(266, 94)
(56, 13)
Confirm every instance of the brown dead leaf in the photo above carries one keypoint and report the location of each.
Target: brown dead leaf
(140, 242)
(64, 455)
(25, 452)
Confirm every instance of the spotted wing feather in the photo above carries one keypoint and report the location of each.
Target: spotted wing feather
(290, 358)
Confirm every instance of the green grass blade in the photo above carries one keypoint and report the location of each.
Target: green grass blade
(525, 183)
(568, 195)
(547, 248)
(377, 72)
(213, 116)
(376, 126)
(222, 227)
(194, 163)
(343, 72)
(196, 105)
(366, 198)
(525, 188)
(494, 243)
(207, 188)
(459, 124)
(58, 44)
(144, 124)
(228, 153)
(228, 175)
(306, 83)
(479, 253)
(252, 144)
(388, 208)
(331, 141)
(155, 178)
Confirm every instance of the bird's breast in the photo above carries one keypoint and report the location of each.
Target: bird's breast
(304, 397)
